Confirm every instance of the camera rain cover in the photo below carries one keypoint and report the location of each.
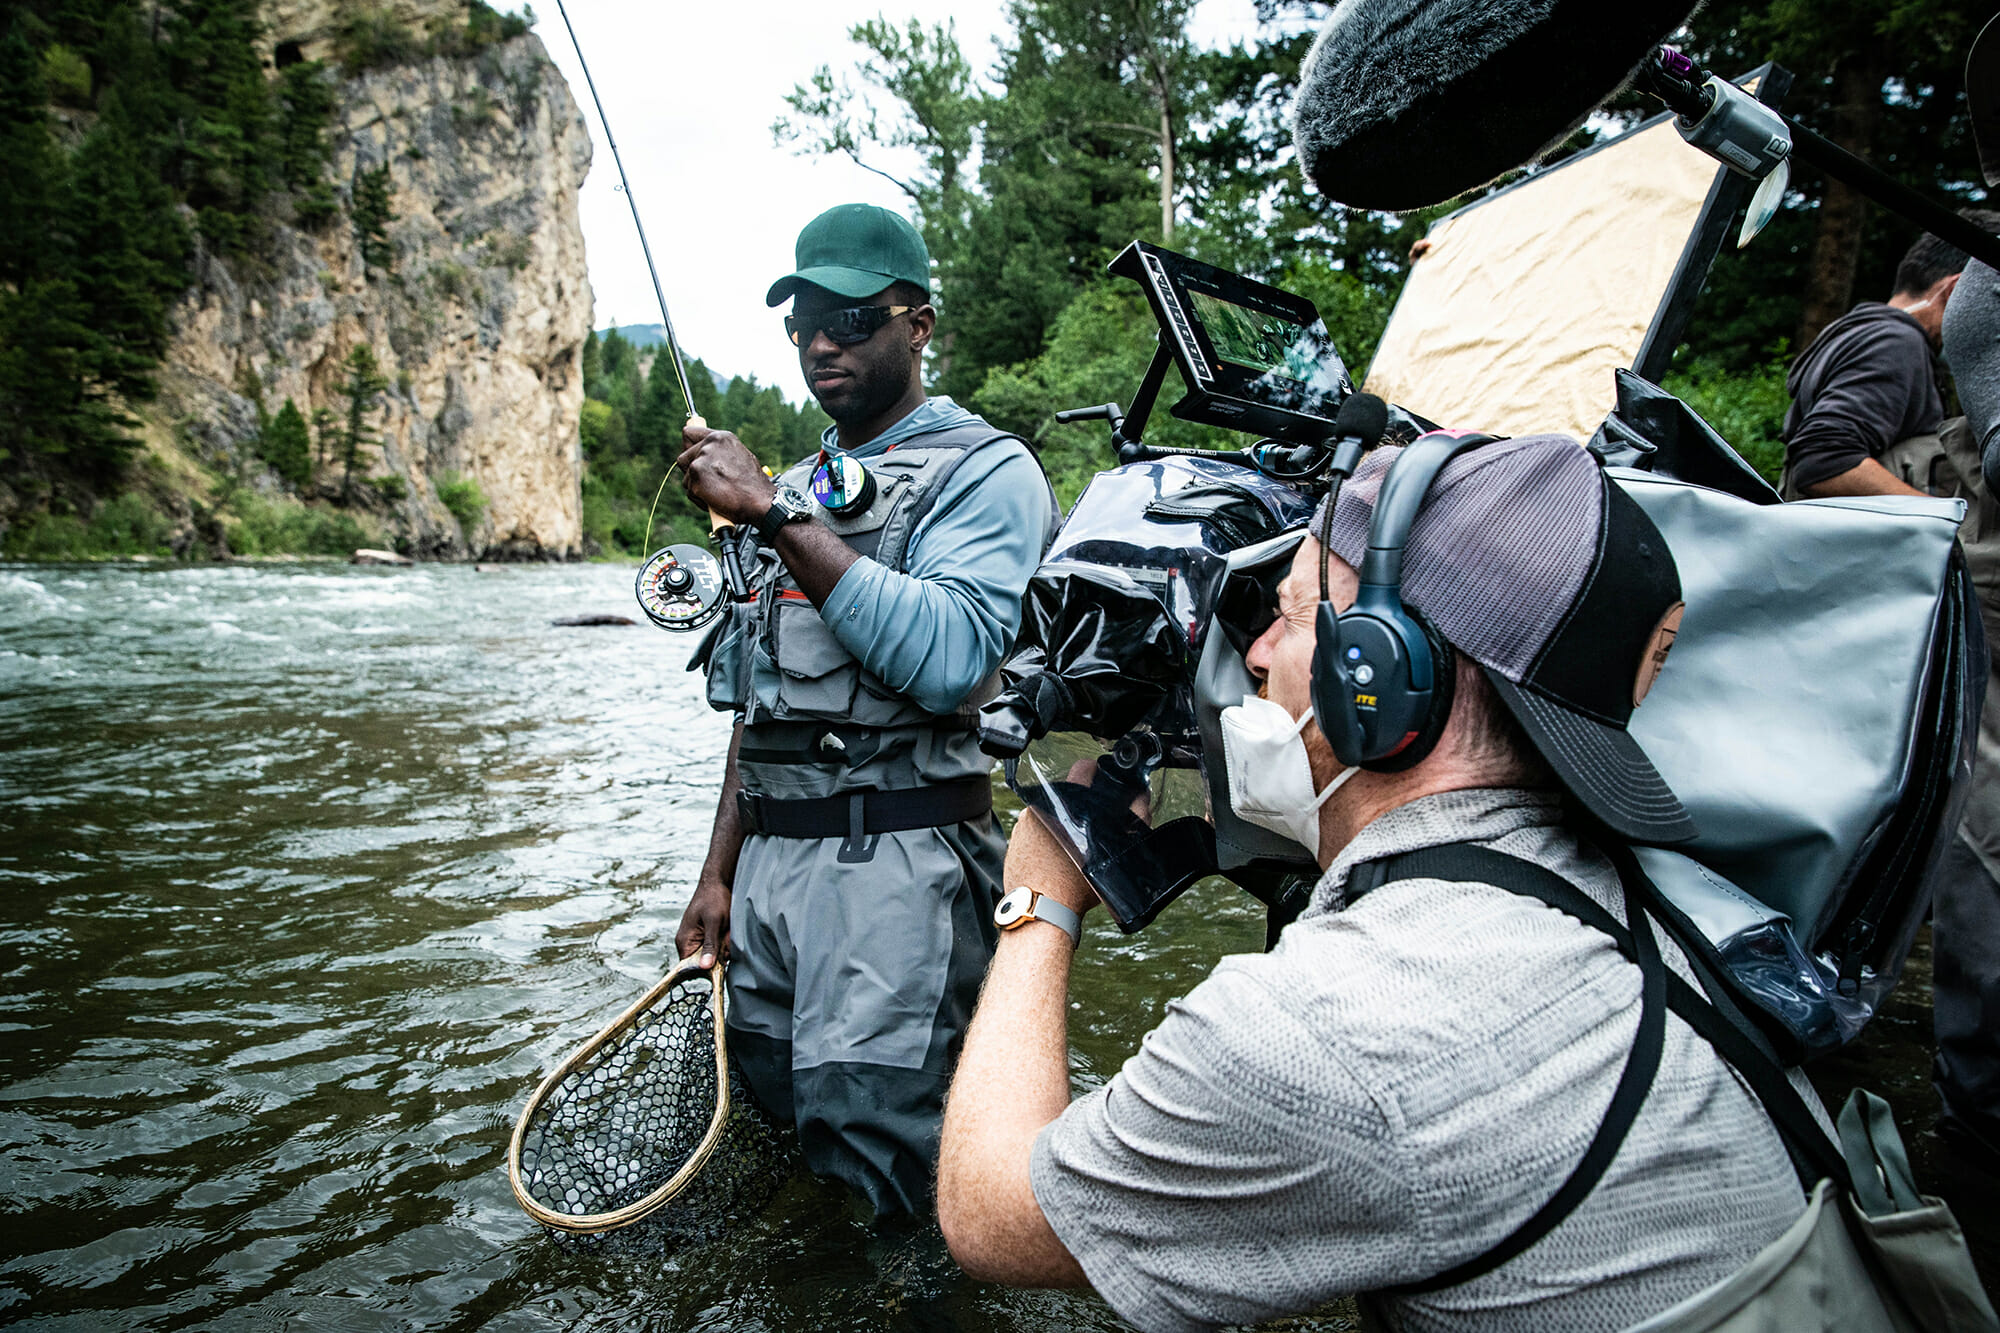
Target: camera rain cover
(1095, 722)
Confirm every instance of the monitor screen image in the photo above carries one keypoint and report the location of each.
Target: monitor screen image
(1258, 339)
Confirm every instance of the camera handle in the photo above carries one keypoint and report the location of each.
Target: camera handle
(1128, 429)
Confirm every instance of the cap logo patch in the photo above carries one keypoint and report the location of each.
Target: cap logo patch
(1657, 647)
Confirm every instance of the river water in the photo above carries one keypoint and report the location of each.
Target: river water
(310, 871)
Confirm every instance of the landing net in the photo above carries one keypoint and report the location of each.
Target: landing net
(622, 1125)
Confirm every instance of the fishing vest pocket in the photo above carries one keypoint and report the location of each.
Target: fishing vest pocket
(816, 676)
(876, 705)
(725, 655)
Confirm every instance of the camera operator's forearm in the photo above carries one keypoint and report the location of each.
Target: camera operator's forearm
(1012, 1079)
(1866, 478)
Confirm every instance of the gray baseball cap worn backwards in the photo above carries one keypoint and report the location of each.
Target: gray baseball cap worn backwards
(1531, 562)
(855, 250)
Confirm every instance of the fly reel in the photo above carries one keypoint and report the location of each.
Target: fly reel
(680, 588)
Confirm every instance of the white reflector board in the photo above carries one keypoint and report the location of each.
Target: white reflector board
(1529, 299)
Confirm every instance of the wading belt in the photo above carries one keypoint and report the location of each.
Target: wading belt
(855, 815)
(1714, 1016)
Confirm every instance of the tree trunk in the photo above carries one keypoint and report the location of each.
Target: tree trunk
(1857, 111)
(1166, 166)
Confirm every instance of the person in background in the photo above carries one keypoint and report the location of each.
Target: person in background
(1417, 1067)
(855, 861)
(1865, 405)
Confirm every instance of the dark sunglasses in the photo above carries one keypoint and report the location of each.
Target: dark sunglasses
(855, 324)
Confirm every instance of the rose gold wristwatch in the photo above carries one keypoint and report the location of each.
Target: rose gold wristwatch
(1023, 905)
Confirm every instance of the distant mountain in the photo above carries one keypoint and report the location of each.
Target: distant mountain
(655, 335)
(640, 335)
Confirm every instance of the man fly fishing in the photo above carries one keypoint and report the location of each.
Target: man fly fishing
(855, 861)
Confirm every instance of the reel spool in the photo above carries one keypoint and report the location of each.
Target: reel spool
(843, 486)
(680, 588)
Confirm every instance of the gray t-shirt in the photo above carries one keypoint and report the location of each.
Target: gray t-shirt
(1396, 1088)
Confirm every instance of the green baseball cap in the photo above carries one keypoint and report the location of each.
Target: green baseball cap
(855, 250)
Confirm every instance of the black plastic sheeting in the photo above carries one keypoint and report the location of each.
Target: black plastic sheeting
(1114, 616)
(1095, 721)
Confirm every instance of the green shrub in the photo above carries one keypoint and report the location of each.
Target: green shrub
(372, 38)
(1746, 408)
(390, 487)
(124, 525)
(452, 281)
(260, 526)
(67, 75)
(512, 249)
(463, 498)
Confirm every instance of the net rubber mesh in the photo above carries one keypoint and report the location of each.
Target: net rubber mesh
(622, 1124)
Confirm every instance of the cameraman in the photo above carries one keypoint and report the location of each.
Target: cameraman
(1409, 1076)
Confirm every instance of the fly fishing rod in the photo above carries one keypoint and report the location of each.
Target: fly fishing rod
(679, 587)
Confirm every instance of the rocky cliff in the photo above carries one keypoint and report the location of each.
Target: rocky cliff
(476, 320)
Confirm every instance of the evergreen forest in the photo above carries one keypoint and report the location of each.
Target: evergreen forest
(1098, 121)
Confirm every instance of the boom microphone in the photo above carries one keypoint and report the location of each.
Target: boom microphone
(1405, 103)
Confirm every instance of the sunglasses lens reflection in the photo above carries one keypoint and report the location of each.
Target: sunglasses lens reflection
(845, 327)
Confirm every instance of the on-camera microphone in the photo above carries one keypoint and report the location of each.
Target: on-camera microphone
(1406, 103)
(1357, 428)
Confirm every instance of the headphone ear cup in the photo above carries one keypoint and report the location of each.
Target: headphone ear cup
(1444, 688)
(1332, 690)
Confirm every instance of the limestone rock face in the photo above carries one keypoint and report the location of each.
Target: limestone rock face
(477, 327)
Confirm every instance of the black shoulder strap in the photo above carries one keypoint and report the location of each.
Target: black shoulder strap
(1733, 1037)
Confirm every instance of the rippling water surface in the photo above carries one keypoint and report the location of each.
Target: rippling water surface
(309, 872)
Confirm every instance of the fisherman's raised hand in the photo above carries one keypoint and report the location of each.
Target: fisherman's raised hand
(721, 473)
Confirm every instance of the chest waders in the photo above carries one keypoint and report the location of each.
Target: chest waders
(861, 911)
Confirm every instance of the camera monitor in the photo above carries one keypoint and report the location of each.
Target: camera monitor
(1253, 357)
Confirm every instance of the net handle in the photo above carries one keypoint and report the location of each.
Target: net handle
(587, 1224)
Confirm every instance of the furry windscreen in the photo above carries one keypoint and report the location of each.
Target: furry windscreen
(1405, 103)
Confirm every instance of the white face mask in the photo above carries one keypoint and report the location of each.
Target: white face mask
(1270, 777)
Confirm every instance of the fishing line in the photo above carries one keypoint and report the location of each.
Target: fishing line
(676, 587)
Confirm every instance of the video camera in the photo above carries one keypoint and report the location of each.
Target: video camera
(1164, 573)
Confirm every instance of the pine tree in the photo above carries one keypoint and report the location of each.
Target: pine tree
(305, 97)
(364, 383)
(372, 216)
(285, 445)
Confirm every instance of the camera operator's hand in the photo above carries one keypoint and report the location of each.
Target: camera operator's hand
(1036, 859)
(723, 475)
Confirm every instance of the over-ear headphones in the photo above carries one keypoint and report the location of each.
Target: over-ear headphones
(1382, 677)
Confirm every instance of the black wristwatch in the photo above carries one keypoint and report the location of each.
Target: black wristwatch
(787, 506)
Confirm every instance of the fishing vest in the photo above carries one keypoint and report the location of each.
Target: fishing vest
(774, 659)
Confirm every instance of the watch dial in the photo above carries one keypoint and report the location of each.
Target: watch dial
(1013, 907)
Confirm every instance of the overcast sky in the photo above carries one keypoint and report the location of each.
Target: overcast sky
(691, 90)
